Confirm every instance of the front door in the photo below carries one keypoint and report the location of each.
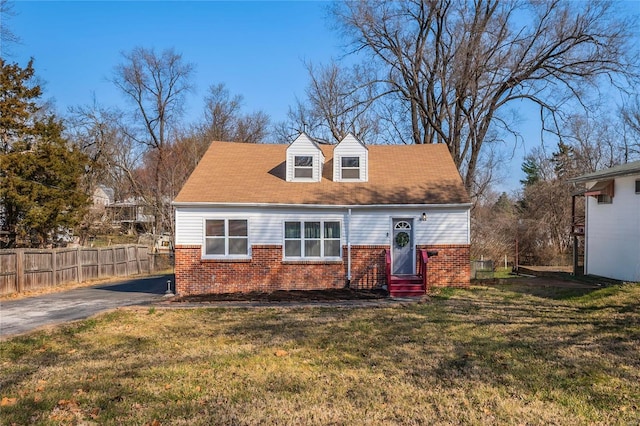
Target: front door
(402, 254)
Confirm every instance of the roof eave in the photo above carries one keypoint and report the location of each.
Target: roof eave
(606, 175)
(319, 206)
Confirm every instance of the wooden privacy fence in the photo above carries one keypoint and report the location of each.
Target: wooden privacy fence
(32, 269)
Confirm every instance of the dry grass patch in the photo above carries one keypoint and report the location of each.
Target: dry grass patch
(480, 356)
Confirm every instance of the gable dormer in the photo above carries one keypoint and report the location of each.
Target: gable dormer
(304, 160)
(350, 161)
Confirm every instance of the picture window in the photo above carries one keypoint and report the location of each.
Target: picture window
(312, 239)
(226, 237)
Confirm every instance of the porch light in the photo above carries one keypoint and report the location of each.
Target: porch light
(424, 217)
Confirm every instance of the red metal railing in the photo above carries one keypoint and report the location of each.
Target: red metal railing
(422, 267)
(387, 267)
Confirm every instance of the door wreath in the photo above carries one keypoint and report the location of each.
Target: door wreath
(402, 239)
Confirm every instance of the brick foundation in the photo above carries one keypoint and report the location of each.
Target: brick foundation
(451, 267)
(267, 272)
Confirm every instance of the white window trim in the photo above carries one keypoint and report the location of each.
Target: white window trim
(320, 258)
(226, 239)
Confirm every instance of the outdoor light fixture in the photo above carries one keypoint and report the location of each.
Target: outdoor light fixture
(424, 217)
(168, 292)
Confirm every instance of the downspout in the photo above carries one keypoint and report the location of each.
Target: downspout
(348, 248)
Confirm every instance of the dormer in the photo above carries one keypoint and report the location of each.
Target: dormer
(350, 161)
(304, 160)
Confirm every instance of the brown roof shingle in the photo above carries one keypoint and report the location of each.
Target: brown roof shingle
(241, 173)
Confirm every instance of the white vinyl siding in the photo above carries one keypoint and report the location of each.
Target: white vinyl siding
(369, 226)
(613, 233)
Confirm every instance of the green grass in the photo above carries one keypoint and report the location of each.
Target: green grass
(488, 355)
(504, 273)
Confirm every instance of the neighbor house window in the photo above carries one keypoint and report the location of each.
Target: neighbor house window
(312, 239)
(350, 167)
(638, 186)
(303, 166)
(226, 237)
(604, 199)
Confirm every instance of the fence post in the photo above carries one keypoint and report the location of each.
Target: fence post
(126, 260)
(20, 270)
(139, 266)
(79, 261)
(99, 264)
(114, 264)
(54, 268)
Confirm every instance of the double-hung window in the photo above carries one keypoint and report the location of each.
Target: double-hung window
(312, 239)
(350, 168)
(303, 166)
(226, 238)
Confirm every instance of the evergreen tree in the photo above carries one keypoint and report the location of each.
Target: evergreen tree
(40, 173)
(531, 170)
(564, 161)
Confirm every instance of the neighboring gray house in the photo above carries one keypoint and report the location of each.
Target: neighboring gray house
(612, 222)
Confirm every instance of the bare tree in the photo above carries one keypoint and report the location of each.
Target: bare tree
(594, 142)
(7, 36)
(455, 66)
(494, 220)
(225, 121)
(113, 156)
(339, 101)
(156, 84)
(630, 114)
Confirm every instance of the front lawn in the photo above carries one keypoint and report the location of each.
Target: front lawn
(489, 355)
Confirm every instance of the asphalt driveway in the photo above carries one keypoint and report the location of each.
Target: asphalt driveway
(23, 315)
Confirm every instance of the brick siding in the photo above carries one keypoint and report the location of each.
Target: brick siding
(451, 267)
(266, 271)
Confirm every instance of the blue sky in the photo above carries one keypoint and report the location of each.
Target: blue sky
(256, 48)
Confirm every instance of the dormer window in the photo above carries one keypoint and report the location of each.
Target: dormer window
(350, 168)
(303, 166)
(350, 161)
(304, 160)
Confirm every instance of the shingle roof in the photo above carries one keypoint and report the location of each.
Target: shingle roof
(632, 168)
(241, 173)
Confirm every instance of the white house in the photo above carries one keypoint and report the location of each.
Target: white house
(612, 226)
(264, 217)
